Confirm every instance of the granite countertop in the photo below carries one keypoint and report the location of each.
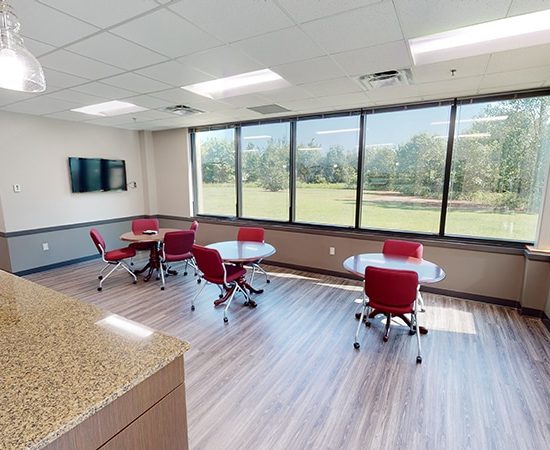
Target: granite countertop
(58, 365)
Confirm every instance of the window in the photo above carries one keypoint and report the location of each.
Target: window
(404, 168)
(265, 159)
(215, 162)
(487, 183)
(326, 170)
(500, 159)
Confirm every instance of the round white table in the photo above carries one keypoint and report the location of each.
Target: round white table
(241, 253)
(427, 271)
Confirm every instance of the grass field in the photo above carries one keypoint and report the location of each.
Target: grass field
(336, 206)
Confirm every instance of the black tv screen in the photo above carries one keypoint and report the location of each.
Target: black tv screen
(94, 174)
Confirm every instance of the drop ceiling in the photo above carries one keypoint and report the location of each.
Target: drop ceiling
(143, 51)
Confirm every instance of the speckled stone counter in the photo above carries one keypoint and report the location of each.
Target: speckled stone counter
(59, 366)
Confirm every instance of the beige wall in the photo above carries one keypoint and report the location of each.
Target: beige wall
(172, 172)
(2, 224)
(34, 153)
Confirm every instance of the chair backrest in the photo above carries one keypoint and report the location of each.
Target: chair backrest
(391, 287)
(140, 225)
(98, 240)
(208, 261)
(194, 226)
(179, 242)
(403, 248)
(251, 234)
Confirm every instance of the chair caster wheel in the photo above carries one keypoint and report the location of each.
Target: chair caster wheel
(220, 296)
(418, 359)
(99, 289)
(246, 303)
(134, 282)
(199, 281)
(356, 345)
(412, 332)
(367, 324)
(192, 307)
(100, 277)
(162, 288)
(268, 281)
(185, 273)
(385, 338)
(225, 319)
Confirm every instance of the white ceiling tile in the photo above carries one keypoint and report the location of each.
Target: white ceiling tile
(316, 69)
(68, 115)
(513, 87)
(519, 59)
(245, 101)
(37, 48)
(365, 27)
(465, 67)
(305, 10)
(303, 104)
(60, 80)
(107, 121)
(43, 104)
(74, 64)
(167, 33)
(146, 101)
(527, 6)
(104, 90)
(342, 101)
(517, 77)
(391, 56)
(333, 87)
(76, 97)
(144, 116)
(47, 25)
(175, 74)
(233, 20)
(222, 61)
(118, 52)
(394, 92)
(136, 83)
(449, 88)
(280, 47)
(181, 96)
(8, 96)
(422, 17)
(102, 13)
(288, 94)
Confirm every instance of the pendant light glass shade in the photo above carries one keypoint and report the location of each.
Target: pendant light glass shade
(19, 69)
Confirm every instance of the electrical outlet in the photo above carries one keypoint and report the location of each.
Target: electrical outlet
(17, 188)
(45, 246)
(331, 251)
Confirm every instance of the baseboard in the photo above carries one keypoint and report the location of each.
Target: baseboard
(546, 321)
(56, 265)
(429, 289)
(532, 312)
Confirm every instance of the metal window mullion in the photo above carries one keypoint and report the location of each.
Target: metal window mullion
(360, 170)
(194, 173)
(238, 173)
(448, 164)
(292, 174)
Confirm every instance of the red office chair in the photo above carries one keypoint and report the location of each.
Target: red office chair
(391, 292)
(409, 249)
(112, 257)
(252, 234)
(213, 270)
(138, 227)
(194, 226)
(177, 247)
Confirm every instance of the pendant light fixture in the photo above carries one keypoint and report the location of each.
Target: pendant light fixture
(19, 69)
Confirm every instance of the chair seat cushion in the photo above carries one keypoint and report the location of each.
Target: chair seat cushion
(233, 273)
(120, 253)
(181, 257)
(394, 309)
(142, 245)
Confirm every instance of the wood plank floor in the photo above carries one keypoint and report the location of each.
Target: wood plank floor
(286, 376)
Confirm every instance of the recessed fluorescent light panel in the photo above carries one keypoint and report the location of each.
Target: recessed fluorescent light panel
(108, 109)
(245, 83)
(496, 36)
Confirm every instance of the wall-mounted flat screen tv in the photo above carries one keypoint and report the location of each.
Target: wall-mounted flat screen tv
(94, 174)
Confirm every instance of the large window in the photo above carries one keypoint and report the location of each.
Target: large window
(326, 170)
(215, 162)
(404, 169)
(265, 171)
(500, 159)
(470, 168)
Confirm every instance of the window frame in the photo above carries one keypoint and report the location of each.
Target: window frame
(356, 228)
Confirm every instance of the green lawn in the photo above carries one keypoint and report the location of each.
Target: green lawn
(336, 206)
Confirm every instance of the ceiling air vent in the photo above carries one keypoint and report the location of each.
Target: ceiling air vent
(385, 79)
(183, 110)
(268, 109)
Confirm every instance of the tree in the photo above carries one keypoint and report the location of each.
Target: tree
(218, 161)
(274, 170)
